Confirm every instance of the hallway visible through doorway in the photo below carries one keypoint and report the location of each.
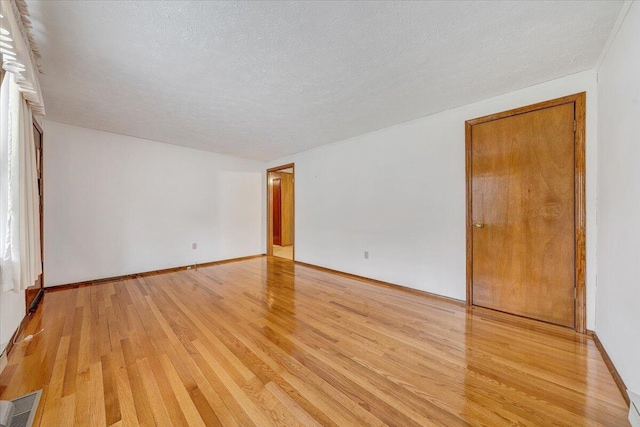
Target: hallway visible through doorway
(280, 211)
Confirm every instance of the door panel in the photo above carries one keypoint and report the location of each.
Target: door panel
(286, 193)
(277, 212)
(523, 196)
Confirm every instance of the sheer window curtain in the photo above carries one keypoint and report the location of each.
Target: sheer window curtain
(20, 263)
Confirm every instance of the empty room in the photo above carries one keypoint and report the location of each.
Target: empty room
(319, 213)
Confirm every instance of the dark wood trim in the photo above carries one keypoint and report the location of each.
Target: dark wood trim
(527, 108)
(147, 273)
(579, 101)
(37, 125)
(279, 168)
(612, 368)
(385, 284)
(34, 304)
(269, 250)
(31, 308)
(580, 213)
(469, 216)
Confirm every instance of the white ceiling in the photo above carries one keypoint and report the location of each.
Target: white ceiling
(265, 79)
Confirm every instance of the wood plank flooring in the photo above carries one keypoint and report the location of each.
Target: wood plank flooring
(283, 251)
(267, 342)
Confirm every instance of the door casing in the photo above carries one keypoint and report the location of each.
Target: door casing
(270, 210)
(579, 101)
(276, 210)
(33, 294)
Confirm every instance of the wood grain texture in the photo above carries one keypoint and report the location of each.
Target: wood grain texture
(267, 342)
(276, 209)
(514, 170)
(581, 212)
(523, 193)
(282, 223)
(469, 214)
(287, 208)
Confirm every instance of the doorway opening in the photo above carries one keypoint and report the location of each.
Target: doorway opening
(281, 211)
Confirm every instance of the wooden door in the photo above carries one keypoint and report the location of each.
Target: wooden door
(522, 224)
(277, 212)
(34, 292)
(286, 194)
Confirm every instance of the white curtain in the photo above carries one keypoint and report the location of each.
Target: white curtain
(19, 51)
(20, 263)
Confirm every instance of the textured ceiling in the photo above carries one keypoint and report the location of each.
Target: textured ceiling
(262, 80)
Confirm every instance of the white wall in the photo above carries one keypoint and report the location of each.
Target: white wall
(118, 205)
(12, 307)
(400, 194)
(618, 298)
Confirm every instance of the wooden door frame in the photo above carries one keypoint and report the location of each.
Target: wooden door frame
(269, 210)
(34, 304)
(276, 209)
(579, 101)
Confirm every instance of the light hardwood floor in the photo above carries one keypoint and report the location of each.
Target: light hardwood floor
(283, 251)
(268, 342)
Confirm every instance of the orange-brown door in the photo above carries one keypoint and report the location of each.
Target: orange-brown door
(523, 214)
(277, 212)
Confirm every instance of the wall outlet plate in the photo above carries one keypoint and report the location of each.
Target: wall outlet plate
(194, 246)
(366, 254)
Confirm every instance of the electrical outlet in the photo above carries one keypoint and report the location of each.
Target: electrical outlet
(194, 246)
(366, 254)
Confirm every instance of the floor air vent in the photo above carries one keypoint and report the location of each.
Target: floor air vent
(19, 412)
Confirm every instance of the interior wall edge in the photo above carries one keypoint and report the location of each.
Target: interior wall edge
(618, 207)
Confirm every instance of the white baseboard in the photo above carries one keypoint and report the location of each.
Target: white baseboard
(3, 361)
(634, 409)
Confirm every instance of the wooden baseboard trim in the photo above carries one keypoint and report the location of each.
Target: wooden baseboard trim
(385, 284)
(147, 273)
(612, 368)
